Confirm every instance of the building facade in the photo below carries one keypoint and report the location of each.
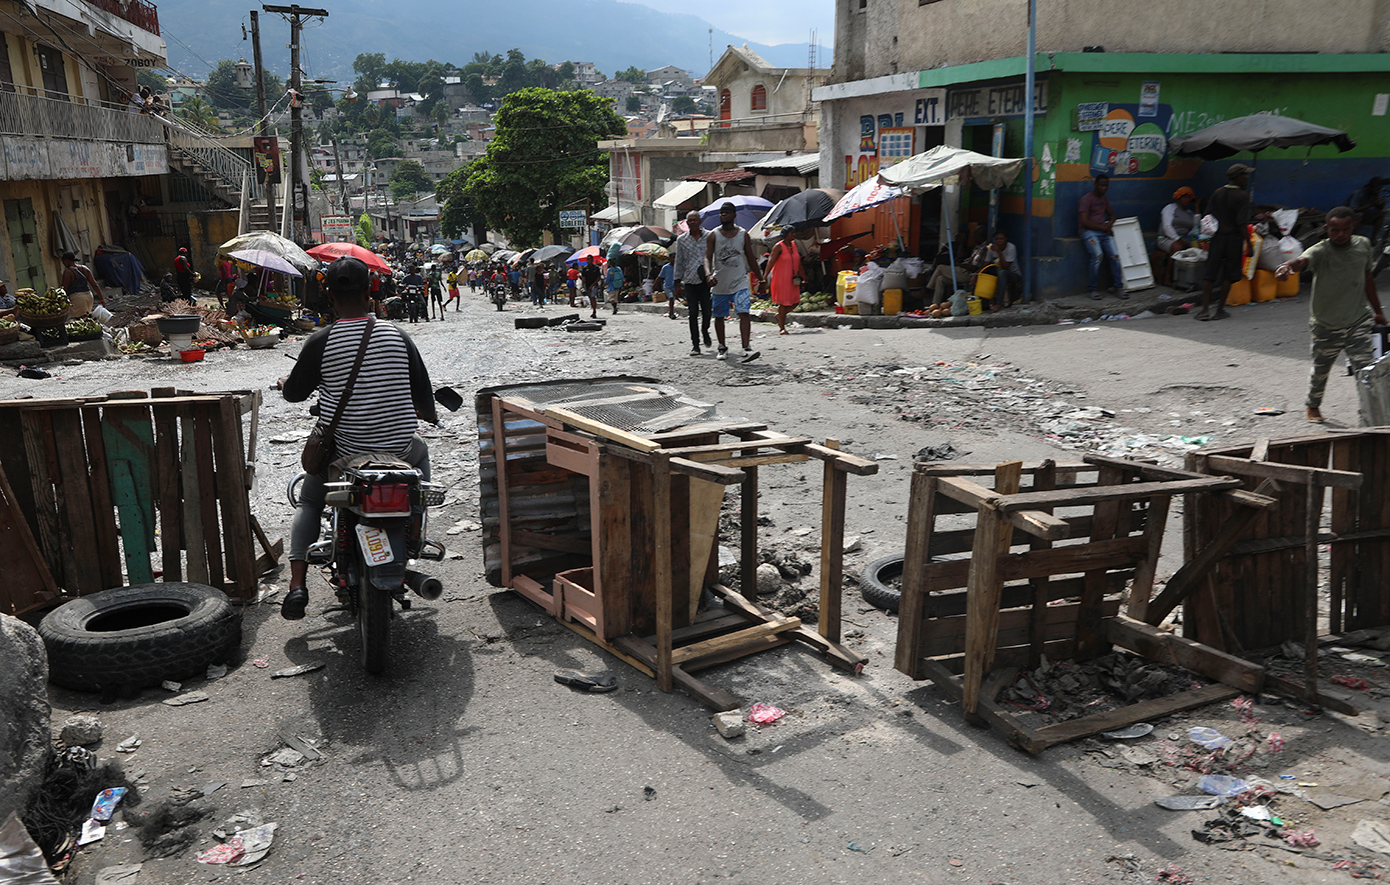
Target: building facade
(762, 107)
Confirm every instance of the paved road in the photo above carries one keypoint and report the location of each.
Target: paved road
(469, 764)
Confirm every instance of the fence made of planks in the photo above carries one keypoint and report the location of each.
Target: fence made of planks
(102, 492)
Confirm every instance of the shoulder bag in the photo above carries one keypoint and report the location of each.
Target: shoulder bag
(319, 448)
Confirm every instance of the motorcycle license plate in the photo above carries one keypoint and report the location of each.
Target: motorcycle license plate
(376, 545)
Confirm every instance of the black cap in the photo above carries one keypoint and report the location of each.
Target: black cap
(348, 276)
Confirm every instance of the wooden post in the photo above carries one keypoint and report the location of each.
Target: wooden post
(1144, 573)
(1044, 479)
(993, 532)
(748, 530)
(665, 603)
(832, 547)
(1105, 522)
(913, 605)
(499, 459)
(1312, 523)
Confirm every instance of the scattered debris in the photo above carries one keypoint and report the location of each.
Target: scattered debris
(92, 831)
(1302, 839)
(1209, 738)
(1173, 874)
(854, 846)
(943, 452)
(1353, 682)
(80, 730)
(584, 682)
(763, 714)
(1372, 834)
(171, 685)
(105, 803)
(729, 724)
(1137, 730)
(130, 744)
(193, 697)
(1222, 785)
(1188, 803)
(298, 670)
(649, 793)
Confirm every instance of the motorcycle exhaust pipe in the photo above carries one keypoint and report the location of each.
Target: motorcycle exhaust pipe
(423, 585)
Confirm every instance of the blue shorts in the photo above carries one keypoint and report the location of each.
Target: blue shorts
(741, 301)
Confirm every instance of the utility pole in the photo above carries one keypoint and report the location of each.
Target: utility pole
(342, 182)
(260, 109)
(300, 189)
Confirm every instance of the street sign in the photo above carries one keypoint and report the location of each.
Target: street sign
(572, 219)
(337, 228)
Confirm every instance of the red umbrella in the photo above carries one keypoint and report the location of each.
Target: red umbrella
(331, 251)
(583, 255)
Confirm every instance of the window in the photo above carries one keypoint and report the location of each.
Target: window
(759, 98)
(55, 78)
(725, 104)
(6, 75)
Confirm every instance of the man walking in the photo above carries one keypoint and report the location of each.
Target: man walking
(1096, 220)
(613, 280)
(729, 252)
(692, 280)
(1232, 209)
(1344, 301)
(591, 277)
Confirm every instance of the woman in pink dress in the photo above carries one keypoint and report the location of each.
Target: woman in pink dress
(784, 277)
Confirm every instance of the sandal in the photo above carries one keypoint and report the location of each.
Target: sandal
(584, 682)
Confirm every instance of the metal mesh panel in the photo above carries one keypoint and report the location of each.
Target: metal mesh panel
(629, 406)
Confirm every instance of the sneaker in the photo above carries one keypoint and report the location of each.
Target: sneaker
(723, 354)
(694, 351)
(292, 609)
(1095, 296)
(750, 355)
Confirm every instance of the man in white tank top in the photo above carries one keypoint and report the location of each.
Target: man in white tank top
(729, 254)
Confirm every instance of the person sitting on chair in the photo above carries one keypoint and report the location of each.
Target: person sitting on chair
(1004, 256)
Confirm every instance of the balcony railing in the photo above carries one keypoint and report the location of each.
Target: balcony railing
(139, 13)
(25, 114)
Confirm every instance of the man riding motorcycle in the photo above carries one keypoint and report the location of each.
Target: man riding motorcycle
(391, 394)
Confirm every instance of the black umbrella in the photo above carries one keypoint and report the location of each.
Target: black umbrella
(1255, 133)
(804, 210)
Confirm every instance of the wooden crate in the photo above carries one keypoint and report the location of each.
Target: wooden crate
(615, 534)
(1049, 564)
(105, 482)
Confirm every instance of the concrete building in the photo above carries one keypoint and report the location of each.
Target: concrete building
(1111, 90)
(762, 107)
(671, 75)
(75, 162)
(618, 90)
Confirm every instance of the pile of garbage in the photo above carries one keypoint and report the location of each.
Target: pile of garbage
(1063, 690)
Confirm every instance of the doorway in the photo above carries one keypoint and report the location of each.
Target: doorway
(25, 250)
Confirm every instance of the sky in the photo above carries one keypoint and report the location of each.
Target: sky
(776, 21)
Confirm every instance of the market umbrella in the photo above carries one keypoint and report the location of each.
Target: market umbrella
(522, 257)
(750, 209)
(264, 260)
(546, 253)
(275, 244)
(504, 255)
(1255, 133)
(864, 196)
(476, 255)
(489, 248)
(629, 238)
(438, 249)
(332, 251)
(654, 249)
(445, 256)
(583, 255)
(802, 211)
(922, 172)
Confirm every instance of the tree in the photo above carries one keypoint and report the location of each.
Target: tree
(365, 231)
(440, 114)
(633, 75)
(543, 156)
(566, 72)
(221, 90)
(198, 111)
(147, 77)
(381, 143)
(320, 100)
(316, 178)
(457, 212)
(683, 104)
(370, 67)
(477, 88)
(409, 177)
(634, 104)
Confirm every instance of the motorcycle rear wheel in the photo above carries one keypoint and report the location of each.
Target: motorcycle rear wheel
(373, 623)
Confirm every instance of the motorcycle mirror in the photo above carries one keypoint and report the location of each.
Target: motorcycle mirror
(449, 398)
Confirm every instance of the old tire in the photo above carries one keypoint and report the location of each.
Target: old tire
(132, 637)
(530, 322)
(874, 583)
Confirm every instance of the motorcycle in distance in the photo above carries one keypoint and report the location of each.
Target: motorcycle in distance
(376, 528)
(415, 304)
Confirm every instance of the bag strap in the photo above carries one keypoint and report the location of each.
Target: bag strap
(352, 377)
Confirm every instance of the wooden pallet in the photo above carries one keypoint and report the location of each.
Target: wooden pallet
(1083, 543)
(615, 534)
(107, 482)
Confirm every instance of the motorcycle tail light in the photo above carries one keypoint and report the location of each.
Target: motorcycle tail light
(386, 498)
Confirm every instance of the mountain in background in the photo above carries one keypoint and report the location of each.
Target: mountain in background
(611, 34)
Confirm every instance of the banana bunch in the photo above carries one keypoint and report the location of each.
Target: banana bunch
(50, 303)
(78, 328)
(7, 323)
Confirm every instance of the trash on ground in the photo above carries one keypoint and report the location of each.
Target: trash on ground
(1361, 869)
(586, 682)
(91, 831)
(1353, 682)
(729, 724)
(261, 663)
(1302, 838)
(854, 846)
(1268, 413)
(1173, 875)
(298, 670)
(285, 756)
(943, 452)
(1372, 834)
(649, 793)
(1257, 812)
(1138, 730)
(217, 671)
(130, 744)
(106, 802)
(193, 697)
(1187, 803)
(763, 714)
(1209, 738)
(1222, 785)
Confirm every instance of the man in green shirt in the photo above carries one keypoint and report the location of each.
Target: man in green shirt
(1344, 301)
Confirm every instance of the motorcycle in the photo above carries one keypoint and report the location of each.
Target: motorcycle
(376, 528)
(415, 304)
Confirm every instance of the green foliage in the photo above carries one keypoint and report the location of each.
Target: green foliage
(543, 156)
(222, 93)
(365, 231)
(316, 178)
(147, 77)
(200, 112)
(480, 91)
(683, 104)
(440, 114)
(409, 177)
(457, 212)
(566, 72)
(633, 75)
(634, 104)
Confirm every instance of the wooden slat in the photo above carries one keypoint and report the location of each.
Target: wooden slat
(727, 449)
(757, 460)
(661, 561)
(610, 509)
(28, 582)
(42, 473)
(1071, 559)
(192, 497)
(1066, 471)
(733, 641)
(1337, 479)
(1168, 648)
(1044, 479)
(947, 636)
(543, 541)
(598, 428)
(169, 495)
(1330, 698)
(832, 548)
(129, 438)
(709, 472)
(75, 501)
(204, 428)
(921, 523)
(748, 533)
(231, 494)
(1147, 568)
(499, 454)
(697, 430)
(1063, 732)
(1021, 595)
(715, 698)
(986, 710)
(1104, 494)
(984, 586)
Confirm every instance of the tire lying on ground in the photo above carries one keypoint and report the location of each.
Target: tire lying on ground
(530, 322)
(875, 582)
(133, 637)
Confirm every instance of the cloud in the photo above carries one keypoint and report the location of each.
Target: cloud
(776, 21)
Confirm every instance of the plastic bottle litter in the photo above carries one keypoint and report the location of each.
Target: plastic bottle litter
(1222, 785)
(1209, 738)
(105, 803)
(763, 714)
(1138, 730)
(1187, 803)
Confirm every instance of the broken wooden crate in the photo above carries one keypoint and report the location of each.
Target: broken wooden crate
(1088, 532)
(601, 501)
(93, 486)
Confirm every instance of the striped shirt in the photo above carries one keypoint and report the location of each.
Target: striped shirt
(392, 387)
(690, 257)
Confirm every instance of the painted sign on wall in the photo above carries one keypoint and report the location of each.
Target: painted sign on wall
(887, 131)
(1123, 146)
(1003, 100)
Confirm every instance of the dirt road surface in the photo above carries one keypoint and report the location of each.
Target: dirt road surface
(468, 763)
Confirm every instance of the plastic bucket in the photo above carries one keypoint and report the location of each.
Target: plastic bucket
(986, 282)
(1264, 287)
(975, 305)
(1288, 288)
(101, 314)
(892, 302)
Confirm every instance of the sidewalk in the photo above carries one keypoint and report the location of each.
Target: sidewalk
(1076, 308)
